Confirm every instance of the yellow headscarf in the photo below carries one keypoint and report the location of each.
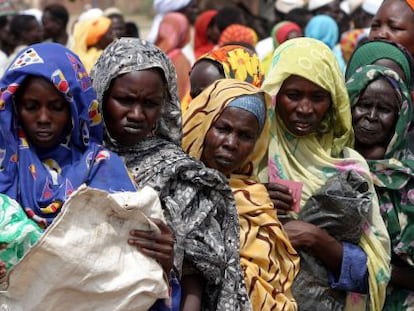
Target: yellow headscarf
(268, 259)
(86, 34)
(312, 159)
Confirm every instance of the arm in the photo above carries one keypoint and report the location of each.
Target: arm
(192, 292)
(322, 245)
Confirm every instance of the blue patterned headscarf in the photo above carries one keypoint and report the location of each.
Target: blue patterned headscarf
(42, 180)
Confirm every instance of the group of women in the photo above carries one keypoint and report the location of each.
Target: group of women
(288, 192)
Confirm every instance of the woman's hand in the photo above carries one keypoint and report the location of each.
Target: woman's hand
(319, 242)
(281, 197)
(2, 264)
(159, 246)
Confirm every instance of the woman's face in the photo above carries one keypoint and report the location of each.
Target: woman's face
(202, 75)
(230, 140)
(43, 112)
(133, 105)
(375, 114)
(302, 105)
(394, 21)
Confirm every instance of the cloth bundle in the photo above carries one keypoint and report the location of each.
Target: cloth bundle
(83, 260)
(339, 207)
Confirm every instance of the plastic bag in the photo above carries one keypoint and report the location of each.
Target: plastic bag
(339, 207)
(16, 230)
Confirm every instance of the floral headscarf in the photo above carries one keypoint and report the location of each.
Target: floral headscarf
(393, 175)
(239, 63)
(41, 180)
(313, 158)
(131, 54)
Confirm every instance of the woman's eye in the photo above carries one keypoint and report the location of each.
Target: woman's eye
(293, 96)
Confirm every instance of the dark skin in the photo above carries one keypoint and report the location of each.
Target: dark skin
(394, 22)
(378, 108)
(302, 105)
(2, 264)
(131, 109)
(373, 119)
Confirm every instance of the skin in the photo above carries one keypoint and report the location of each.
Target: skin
(34, 35)
(43, 113)
(106, 39)
(374, 117)
(394, 21)
(53, 29)
(118, 27)
(230, 140)
(302, 105)
(378, 107)
(133, 105)
(203, 74)
(131, 109)
(2, 264)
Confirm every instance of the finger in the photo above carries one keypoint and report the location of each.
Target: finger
(278, 187)
(161, 225)
(152, 236)
(151, 245)
(280, 196)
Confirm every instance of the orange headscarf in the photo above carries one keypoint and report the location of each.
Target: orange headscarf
(238, 33)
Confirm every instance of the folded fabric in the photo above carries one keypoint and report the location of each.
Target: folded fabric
(83, 260)
(16, 230)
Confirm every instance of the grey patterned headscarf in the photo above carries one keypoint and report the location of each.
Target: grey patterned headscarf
(132, 54)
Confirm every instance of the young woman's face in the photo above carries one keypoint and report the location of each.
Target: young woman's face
(302, 105)
(394, 21)
(375, 114)
(133, 105)
(230, 140)
(43, 112)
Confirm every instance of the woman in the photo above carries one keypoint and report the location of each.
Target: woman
(394, 21)
(173, 35)
(281, 32)
(204, 39)
(311, 129)
(90, 37)
(383, 53)
(381, 116)
(51, 131)
(230, 61)
(226, 128)
(137, 90)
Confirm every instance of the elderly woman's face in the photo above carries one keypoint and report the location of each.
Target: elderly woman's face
(302, 105)
(230, 140)
(375, 114)
(394, 21)
(133, 105)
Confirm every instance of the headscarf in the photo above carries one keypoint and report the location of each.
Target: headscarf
(350, 40)
(314, 158)
(127, 55)
(393, 175)
(323, 28)
(197, 202)
(238, 34)
(41, 180)
(174, 32)
(372, 51)
(269, 263)
(411, 3)
(316, 4)
(86, 34)
(239, 63)
(281, 31)
(202, 44)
